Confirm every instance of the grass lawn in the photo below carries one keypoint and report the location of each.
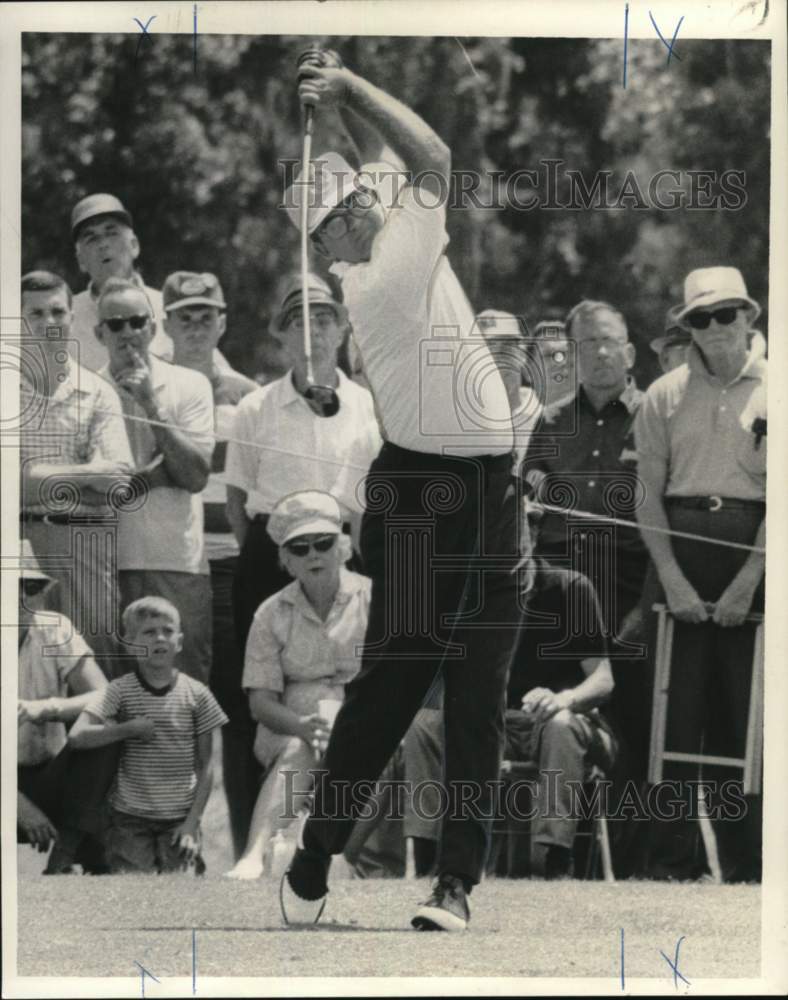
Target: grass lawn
(82, 926)
(74, 926)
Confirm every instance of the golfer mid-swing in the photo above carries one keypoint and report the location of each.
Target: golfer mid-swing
(439, 536)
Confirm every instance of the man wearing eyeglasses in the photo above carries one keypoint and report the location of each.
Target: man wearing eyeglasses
(583, 458)
(701, 442)
(169, 411)
(441, 489)
(75, 461)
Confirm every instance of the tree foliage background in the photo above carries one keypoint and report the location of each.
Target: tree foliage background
(194, 150)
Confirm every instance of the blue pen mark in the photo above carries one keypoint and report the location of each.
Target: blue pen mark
(145, 33)
(668, 45)
(626, 40)
(194, 961)
(675, 965)
(195, 38)
(143, 973)
(622, 959)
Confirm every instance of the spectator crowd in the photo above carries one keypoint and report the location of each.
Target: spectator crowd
(192, 563)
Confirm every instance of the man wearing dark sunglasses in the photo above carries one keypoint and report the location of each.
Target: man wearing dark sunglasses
(441, 489)
(702, 458)
(160, 540)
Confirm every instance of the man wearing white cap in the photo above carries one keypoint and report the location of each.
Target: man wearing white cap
(439, 495)
(701, 441)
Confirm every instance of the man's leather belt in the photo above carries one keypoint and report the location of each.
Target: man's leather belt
(716, 503)
(74, 519)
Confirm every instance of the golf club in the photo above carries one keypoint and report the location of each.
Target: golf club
(322, 398)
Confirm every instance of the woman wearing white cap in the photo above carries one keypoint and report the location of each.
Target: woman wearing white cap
(301, 651)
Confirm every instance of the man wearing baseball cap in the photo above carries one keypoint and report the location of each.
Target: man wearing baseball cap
(701, 443)
(195, 317)
(441, 487)
(106, 246)
(671, 346)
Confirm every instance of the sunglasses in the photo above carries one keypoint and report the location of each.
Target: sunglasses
(339, 223)
(701, 320)
(118, 323)
(32, 587)
(302, 548)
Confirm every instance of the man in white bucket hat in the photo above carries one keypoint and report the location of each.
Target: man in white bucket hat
(701, 441)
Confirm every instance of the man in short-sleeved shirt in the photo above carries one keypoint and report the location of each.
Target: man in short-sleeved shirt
(160, 544)
(73, 444)
(701, 440)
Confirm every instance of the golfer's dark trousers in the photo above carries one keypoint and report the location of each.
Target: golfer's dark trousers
(258, 575)
(709, 696)
(439, 540)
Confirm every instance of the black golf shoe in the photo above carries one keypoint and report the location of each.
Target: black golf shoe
(447, 909)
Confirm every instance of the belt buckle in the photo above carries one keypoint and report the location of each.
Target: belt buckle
(715, 503)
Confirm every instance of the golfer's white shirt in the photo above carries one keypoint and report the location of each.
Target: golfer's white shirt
(435, 383)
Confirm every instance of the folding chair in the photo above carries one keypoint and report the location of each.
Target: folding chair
(600, 840)
(751, 763)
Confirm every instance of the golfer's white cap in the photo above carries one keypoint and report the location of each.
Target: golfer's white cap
(329, 181)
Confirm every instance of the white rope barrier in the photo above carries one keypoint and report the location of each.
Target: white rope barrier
(551, 508)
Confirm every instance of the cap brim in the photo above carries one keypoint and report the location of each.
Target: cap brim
(35, 574)
(320, 526)
(123, 216)
(319, 300)
(194, 300)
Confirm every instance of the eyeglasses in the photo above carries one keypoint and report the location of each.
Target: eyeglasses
(302, 548)
(339, 223)
(701, 320)
(31, 587)
(118, 323)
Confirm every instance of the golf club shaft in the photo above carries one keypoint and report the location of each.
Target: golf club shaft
(306, 156)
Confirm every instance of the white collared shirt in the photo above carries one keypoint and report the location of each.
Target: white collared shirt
(436, 385)
(166, 531)
(290, 448)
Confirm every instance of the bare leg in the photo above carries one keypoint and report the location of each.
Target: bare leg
(271, 806)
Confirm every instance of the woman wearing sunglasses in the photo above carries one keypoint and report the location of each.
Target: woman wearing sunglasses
(303, 647)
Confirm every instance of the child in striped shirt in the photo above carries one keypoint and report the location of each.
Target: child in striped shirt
(165, 719)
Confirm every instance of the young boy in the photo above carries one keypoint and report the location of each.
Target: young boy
(166, 719)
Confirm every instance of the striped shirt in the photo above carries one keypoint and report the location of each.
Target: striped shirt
(157, 779)
(82, 422)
